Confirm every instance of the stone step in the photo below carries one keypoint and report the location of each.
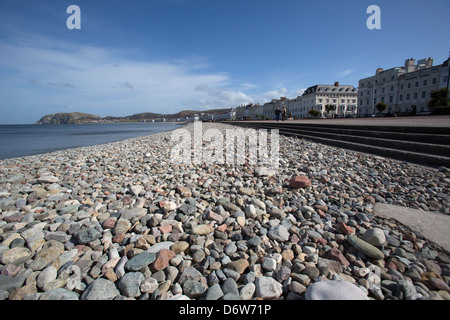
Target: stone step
(429, 154)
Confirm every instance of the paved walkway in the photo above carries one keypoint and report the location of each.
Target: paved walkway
(425, 121)
(432, 226)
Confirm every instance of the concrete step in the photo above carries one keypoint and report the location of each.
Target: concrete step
(441, 139)
(429, 154)
(438, 139)
(419, 147)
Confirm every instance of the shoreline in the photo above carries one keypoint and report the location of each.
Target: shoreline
(37, 154)
(136, 226)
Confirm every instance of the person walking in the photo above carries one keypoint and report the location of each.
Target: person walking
(284, 113)
(277, 114)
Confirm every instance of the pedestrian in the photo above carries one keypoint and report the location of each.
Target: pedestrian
(277, 114)
(284, 114)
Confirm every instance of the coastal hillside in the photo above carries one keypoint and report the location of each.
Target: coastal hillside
(79, 117)
(69, 118)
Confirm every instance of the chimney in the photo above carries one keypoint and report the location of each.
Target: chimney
(410, 65)
(379, 70)
(336, 84)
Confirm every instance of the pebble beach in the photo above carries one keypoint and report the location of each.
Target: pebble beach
(120, 221)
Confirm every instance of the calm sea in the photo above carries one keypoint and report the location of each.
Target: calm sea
(25, 140)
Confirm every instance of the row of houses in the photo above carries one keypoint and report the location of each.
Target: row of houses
(343, 97)
(405, 89)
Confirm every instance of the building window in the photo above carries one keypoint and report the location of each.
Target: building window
(391, 99)
(408, 96)
(400, 98)
(434, 81)
(425, 82)
(415, 95)
(424, 94)
(409, 85)
(392, 88)
(401, 87)
(417, 84)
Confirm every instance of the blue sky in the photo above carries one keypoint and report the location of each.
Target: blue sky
(165, 56)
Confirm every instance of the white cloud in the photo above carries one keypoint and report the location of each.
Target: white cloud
(89, 77)
(275, 94)
(40, 74)
(222, 98)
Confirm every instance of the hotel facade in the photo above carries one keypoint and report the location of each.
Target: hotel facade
(404, 89)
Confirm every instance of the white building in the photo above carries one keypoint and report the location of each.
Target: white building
(343, 97)
(404, 89)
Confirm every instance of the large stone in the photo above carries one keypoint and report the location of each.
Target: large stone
(194, 289)
(47, 179)
(46, 276)
(298, 182)
(278, 233)
(133, 213)
(58, 236)
(374, 236)
(247, 191)
(121, 226)
(162, 259)
(202, 229)
(130, 284)
(50, 252)
(268, 288)
(336, 255)
(149, 285)
(334, 290)
(179, 246)
(88, 235)
(140, 261)
(214, 292)
(59, 294)
(17, 255)
(190, 274)
(238, 265)
(100, 289)
(365, 247)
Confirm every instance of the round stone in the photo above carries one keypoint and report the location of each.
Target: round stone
(100, 289)
(334, 290)
(374, 236)
(268, 288)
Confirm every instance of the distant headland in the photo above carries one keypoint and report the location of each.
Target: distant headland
(80, 117)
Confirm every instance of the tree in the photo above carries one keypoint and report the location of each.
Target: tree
(330, 107)
(381, 106)
(439, 99)
(314, 113)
